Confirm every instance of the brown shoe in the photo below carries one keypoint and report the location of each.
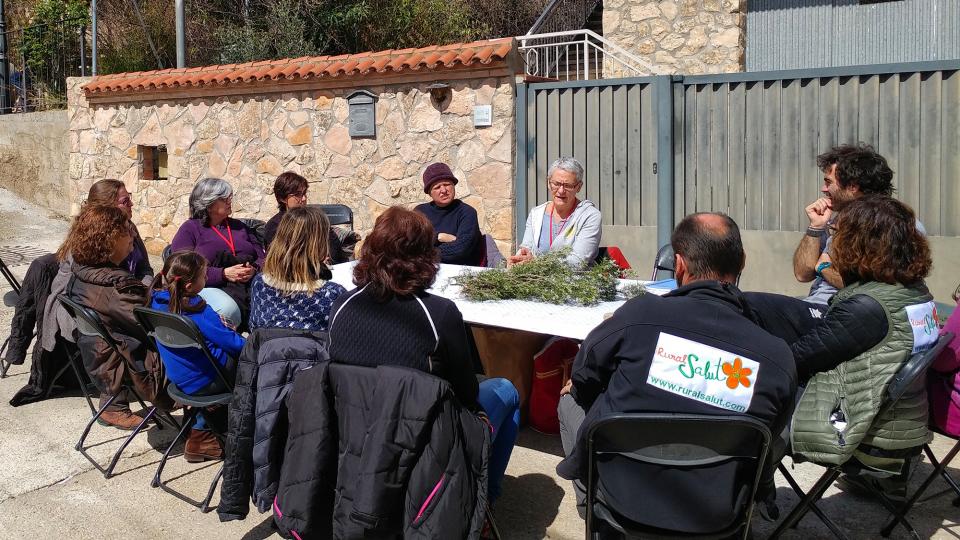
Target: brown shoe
(201, 446)
(122, 419)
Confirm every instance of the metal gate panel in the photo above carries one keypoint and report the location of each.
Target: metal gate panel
(745, 144)
(611, 127)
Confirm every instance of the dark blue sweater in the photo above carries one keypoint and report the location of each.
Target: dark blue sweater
(190, 369)
(460, 220)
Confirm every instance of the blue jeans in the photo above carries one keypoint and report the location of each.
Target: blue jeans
(501, 402)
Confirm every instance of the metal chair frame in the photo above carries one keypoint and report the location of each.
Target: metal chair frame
(16, 288)
(911, 373)
(639, 431)
(89, 324)
(176, 331)
(663, 264)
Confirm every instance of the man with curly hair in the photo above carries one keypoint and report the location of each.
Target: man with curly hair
(849, 173)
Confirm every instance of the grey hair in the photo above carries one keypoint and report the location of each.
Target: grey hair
(205, 193)
(569, 164)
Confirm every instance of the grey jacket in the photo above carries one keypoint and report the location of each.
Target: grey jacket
(581, 233)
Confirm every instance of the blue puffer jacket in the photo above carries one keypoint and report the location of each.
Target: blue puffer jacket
(189, 369)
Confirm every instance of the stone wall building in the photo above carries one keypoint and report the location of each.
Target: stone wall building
(687, 37)
(248, 123)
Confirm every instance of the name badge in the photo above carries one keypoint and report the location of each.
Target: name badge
(925, 324)
(702, 373)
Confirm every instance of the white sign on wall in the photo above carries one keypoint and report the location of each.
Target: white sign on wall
(482, 115)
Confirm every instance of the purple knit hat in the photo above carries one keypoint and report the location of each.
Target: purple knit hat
(436, 172)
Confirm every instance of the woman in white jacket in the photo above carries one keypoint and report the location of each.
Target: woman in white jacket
(565, 221)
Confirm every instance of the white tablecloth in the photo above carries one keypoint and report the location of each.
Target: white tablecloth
(568, 321)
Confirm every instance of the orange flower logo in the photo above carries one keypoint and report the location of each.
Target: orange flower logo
(737, 374)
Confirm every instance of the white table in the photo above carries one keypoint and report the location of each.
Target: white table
(574, 322)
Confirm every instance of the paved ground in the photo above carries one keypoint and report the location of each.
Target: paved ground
(48, 490)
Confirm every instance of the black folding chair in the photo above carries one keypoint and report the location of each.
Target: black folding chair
(912, 373)
(663, 264)
(676, 441)
(10, 300)
(939, 469)
(178, 332)
(255, 225)
(338, 214)
(89, 324)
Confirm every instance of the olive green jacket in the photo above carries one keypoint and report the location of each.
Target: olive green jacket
(838, 410)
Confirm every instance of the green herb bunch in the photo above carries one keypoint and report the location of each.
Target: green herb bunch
(547, 278)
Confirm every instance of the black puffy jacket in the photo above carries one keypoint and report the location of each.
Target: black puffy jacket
(257, 425)
(381, 452)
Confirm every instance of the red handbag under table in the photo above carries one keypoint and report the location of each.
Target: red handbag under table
(551, 370)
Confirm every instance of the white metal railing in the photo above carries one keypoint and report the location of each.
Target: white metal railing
(578, 55)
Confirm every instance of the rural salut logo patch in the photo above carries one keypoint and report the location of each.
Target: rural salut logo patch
(706, 374)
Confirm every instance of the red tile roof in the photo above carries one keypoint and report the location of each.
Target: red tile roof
(492, 53)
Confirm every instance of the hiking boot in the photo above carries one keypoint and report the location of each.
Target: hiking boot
(202, 446)
(122, 419)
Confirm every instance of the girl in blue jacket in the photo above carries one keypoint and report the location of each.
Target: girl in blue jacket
(176, 290)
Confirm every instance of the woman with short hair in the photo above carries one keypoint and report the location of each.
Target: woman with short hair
(232, 250)
(564, 222)
(294, 290)
(874, 324)
(290, 190)
(390, 318)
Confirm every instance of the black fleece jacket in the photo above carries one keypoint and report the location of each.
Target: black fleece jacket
(612, 374)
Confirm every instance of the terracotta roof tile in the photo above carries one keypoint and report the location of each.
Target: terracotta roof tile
(435, 57)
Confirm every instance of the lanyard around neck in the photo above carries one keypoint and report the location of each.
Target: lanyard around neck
(563, 223)
(229, 241)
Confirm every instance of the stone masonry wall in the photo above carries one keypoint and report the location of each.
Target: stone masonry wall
(678, 36)
(249, 140)
(33, 158)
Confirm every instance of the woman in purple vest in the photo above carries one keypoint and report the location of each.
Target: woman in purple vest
(233, 253)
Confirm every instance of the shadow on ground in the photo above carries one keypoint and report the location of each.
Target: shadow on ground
(528, 506)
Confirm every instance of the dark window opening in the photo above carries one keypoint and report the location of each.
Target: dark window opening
(153, 162)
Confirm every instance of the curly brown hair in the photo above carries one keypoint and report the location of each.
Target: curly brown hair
(92, 234)
(876, 239)
(399, 257)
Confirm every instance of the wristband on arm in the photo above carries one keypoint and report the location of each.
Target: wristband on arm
(821, 267)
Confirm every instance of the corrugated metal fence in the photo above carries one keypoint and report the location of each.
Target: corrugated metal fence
(744, 143)
(796, 34)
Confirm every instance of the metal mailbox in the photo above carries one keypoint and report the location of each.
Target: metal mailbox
(363, 121)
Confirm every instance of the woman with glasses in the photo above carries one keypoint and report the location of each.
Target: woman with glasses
(114, 193)
(563, 222)
(232, 250)
(290, 189)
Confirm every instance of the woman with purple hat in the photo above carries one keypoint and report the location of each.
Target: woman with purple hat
(458, 232)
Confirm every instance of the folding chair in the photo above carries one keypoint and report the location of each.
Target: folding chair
(255, 225)
(663, 264)
(178, 332)
(676, 441)
(10, 300)
(89, 324)
(913, 372)
(338, 214)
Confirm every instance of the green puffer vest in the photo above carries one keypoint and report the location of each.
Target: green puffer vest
(857, 387)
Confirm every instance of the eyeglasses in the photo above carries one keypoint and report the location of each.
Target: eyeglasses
(126, 201)
(555, 186)
(299, 195)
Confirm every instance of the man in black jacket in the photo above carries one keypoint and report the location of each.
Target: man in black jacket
(696, 350)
